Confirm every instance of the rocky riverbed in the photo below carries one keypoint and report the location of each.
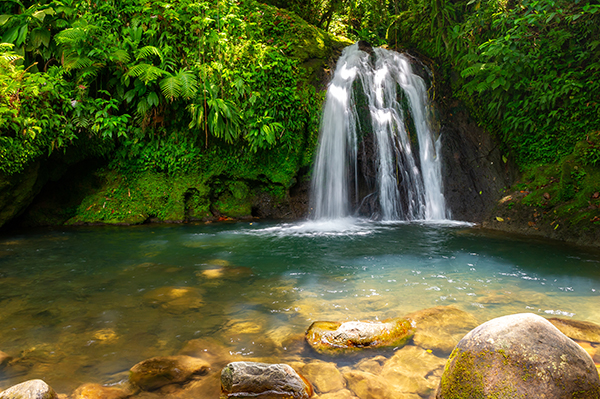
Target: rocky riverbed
(412, 370)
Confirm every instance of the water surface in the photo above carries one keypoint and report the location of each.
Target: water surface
(85, 304)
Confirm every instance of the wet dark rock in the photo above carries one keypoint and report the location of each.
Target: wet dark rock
(365, 46)
(250, 380)
(576, 329)
(156, 372)
(32, 389)
(474, 169)
(521, 355)
(334, 337)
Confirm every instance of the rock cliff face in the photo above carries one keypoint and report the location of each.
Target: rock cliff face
(475, 171)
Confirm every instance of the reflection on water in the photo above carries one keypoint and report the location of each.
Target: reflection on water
(85, 305)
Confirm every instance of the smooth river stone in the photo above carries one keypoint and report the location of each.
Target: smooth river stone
(324, 376)
(579, 330)
(334, 337)
(521, 355)
(32, 389)
(156, 372)
(370, 386)
(251, 380)
(413, 370)
(97, 391)
(4, 359)
(440, 328)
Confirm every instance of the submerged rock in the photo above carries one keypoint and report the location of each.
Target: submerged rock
(576, 329)
(334, 337)
(413, 370)
(97, 391)
(521, 355)
(32, 389)
(175, 299)
(324, 376)
(4, 359)
(159, 371)
(249, 379)
(440, 328)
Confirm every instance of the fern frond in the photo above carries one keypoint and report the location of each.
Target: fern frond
(120, 56)
(74, 61)
(171, 87)
(73, 35)
(189, 84)
(149, 50)
(146, 72)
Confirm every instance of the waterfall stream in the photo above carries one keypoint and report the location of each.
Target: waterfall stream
(378, 155)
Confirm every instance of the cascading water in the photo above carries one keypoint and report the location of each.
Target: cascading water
(366, 165)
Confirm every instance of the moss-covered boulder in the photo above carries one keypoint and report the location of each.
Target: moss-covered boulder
(333, 337)
(518, 356)
(32, 389)
(156, 372)
(251, 380)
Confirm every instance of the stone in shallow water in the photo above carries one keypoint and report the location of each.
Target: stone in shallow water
(97, 391)
(413, 370)
(579, 330)
(440, 328)
(4, 359)
(156, 372)
(32, 389)
(334, 337)
(324, 376)
(250, 380)
(521, 355)
(175, 299)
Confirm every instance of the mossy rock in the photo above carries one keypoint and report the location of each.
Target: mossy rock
(334, 337)
(518, 356)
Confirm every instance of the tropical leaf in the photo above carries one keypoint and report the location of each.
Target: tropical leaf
(120, 56)
(171, 87)
(146, 51)
(146, 72)
(75, 61)
(189, 83)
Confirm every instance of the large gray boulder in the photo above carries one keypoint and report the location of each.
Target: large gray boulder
(32, 389)
(268, 381)
(519, 356)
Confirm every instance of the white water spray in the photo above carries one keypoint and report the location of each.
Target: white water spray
(392, 104)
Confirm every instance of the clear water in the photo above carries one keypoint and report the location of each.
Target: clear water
(86, 304)
(408, 181)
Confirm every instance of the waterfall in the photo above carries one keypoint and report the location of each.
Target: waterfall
(378, 155)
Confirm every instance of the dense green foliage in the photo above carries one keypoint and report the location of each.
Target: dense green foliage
(226, 89)
(529, 69)
(150, 75)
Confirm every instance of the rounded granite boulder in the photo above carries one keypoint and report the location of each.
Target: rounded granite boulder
(32, 389)
(332, 337)
(518, 356)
